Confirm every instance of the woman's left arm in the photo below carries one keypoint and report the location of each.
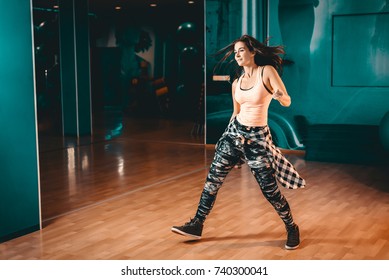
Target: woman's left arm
(277, 86)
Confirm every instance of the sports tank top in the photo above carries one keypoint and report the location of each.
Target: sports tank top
(254, 102)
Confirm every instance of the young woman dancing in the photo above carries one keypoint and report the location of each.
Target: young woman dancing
(247, 137)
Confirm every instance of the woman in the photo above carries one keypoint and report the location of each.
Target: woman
(247, 137)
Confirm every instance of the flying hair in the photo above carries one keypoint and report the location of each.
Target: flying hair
(264, 55)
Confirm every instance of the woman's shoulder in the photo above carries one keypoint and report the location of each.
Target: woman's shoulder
(237, 80)
(268, 67)
(234, 83)
(269, 71)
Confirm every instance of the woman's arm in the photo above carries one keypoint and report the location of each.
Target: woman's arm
(236, 104)
(274, 82)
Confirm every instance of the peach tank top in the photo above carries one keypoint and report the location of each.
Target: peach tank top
(254, 103)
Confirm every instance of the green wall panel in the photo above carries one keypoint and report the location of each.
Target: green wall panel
(336, 75)
(306, 29)
(19, 187)
(360, 58)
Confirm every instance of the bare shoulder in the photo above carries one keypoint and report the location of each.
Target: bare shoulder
(269, 70)
(234, 84)
(270, 74)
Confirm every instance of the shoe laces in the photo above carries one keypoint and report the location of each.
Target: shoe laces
(192, 221)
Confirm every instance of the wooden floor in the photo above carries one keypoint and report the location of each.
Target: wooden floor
(117, 196)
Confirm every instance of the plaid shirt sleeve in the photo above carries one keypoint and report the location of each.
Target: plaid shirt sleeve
(285, 173)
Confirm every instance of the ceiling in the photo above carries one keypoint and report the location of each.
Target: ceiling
(106, 6)
(166, 17)
(142, 11)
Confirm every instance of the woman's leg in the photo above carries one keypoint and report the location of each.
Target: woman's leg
(260, 165)
(264, 174)
(227, 154)
(220, 167)
(267, 182)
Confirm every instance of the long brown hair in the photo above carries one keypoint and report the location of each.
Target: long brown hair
(264, 55)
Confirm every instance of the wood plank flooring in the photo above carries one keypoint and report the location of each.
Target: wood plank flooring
(118, 198)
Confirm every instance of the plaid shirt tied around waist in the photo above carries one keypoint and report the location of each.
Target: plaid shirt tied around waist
(285, 173)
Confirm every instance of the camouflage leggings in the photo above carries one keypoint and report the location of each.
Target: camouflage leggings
(231, 149)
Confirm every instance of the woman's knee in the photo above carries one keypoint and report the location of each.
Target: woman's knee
(264, 175)
(218, 171)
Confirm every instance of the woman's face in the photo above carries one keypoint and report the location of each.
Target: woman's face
(242, 54)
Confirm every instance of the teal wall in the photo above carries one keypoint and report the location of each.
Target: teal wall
(19, 184)
(337, 54)
(340, 55)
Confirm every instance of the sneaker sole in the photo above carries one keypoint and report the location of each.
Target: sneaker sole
(175, 230)
(291, 248)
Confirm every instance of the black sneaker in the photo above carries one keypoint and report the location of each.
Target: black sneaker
(193, 228)
(293, 240)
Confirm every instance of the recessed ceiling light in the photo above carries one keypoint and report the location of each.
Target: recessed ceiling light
(55, 7)
(118, 8)
(153, 5)
(191, 2)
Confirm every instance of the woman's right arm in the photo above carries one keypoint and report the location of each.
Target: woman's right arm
(236, 104)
